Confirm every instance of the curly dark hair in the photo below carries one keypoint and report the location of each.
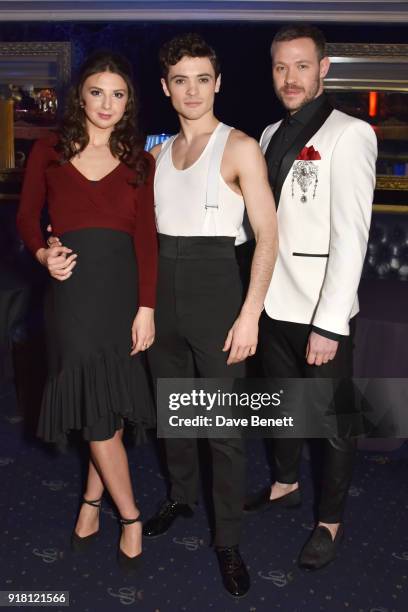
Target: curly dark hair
(186, 45)
(125, 143)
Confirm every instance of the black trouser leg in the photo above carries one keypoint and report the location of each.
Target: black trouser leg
(283, 347)
(171, 357)
(198, 301)
(228, 454)
(182, 464)
(228, 465)
(287, 452)
(339, 459)
(338, 453)
(280, 359)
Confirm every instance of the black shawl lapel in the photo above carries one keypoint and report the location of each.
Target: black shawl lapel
(270, 146)
(305, 135)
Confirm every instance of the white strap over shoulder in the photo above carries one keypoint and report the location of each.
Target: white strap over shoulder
(214, 169)
(164, 148)
(212, 203)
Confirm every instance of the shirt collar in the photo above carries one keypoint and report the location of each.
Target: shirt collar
(305, 114)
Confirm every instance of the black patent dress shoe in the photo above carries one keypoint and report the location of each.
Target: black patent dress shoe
(165, 517)
(320, 549)
(261, 502)
(234, 573)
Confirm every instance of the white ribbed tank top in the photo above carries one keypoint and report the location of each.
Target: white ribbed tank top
(180, 197)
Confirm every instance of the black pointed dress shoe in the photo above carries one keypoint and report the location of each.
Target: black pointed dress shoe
(165, 517)
(320, 549)
(234, 573)
(261, 502)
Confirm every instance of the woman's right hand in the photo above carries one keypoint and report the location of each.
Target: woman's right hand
(58, 261)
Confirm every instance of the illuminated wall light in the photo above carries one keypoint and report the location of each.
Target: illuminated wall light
(372, 104)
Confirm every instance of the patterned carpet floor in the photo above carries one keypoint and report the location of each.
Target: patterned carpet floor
(39, 500)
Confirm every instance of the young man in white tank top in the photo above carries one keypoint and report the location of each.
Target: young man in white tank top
(207, 177)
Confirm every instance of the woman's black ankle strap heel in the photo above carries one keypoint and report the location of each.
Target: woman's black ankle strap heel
(96, 503)
(79, 544)
(126, 563)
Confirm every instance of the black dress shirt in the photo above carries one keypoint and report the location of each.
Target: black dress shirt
(283, 139)
(287, 133)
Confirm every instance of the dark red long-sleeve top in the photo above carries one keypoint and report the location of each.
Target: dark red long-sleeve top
(75, 202)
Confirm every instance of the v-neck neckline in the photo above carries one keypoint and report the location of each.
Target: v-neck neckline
(199, 158)
(88, 180)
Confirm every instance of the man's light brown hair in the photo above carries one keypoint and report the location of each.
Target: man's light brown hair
(302, 30)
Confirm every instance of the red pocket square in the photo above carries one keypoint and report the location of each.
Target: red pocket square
(309, 154)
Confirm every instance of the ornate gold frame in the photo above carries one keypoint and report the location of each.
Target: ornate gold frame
(60, 51)
(363, 53)
(392, 183)
(383, 55)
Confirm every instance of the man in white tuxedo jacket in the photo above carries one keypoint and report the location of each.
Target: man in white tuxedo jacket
(321, 165)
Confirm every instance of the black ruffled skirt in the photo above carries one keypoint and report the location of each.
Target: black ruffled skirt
(93, 383)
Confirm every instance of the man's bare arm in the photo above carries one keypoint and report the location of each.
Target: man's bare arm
(251, 170)
(261, 209)
(154, 151)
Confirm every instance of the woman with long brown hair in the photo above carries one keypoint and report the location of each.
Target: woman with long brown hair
(98, 183)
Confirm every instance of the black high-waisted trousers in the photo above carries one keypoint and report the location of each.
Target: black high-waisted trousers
(199, 297)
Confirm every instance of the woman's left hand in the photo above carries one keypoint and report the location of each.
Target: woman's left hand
(143, 330)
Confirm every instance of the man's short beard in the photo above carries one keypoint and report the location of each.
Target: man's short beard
(311, 95)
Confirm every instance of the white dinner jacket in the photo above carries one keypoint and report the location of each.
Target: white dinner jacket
(323, 241)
